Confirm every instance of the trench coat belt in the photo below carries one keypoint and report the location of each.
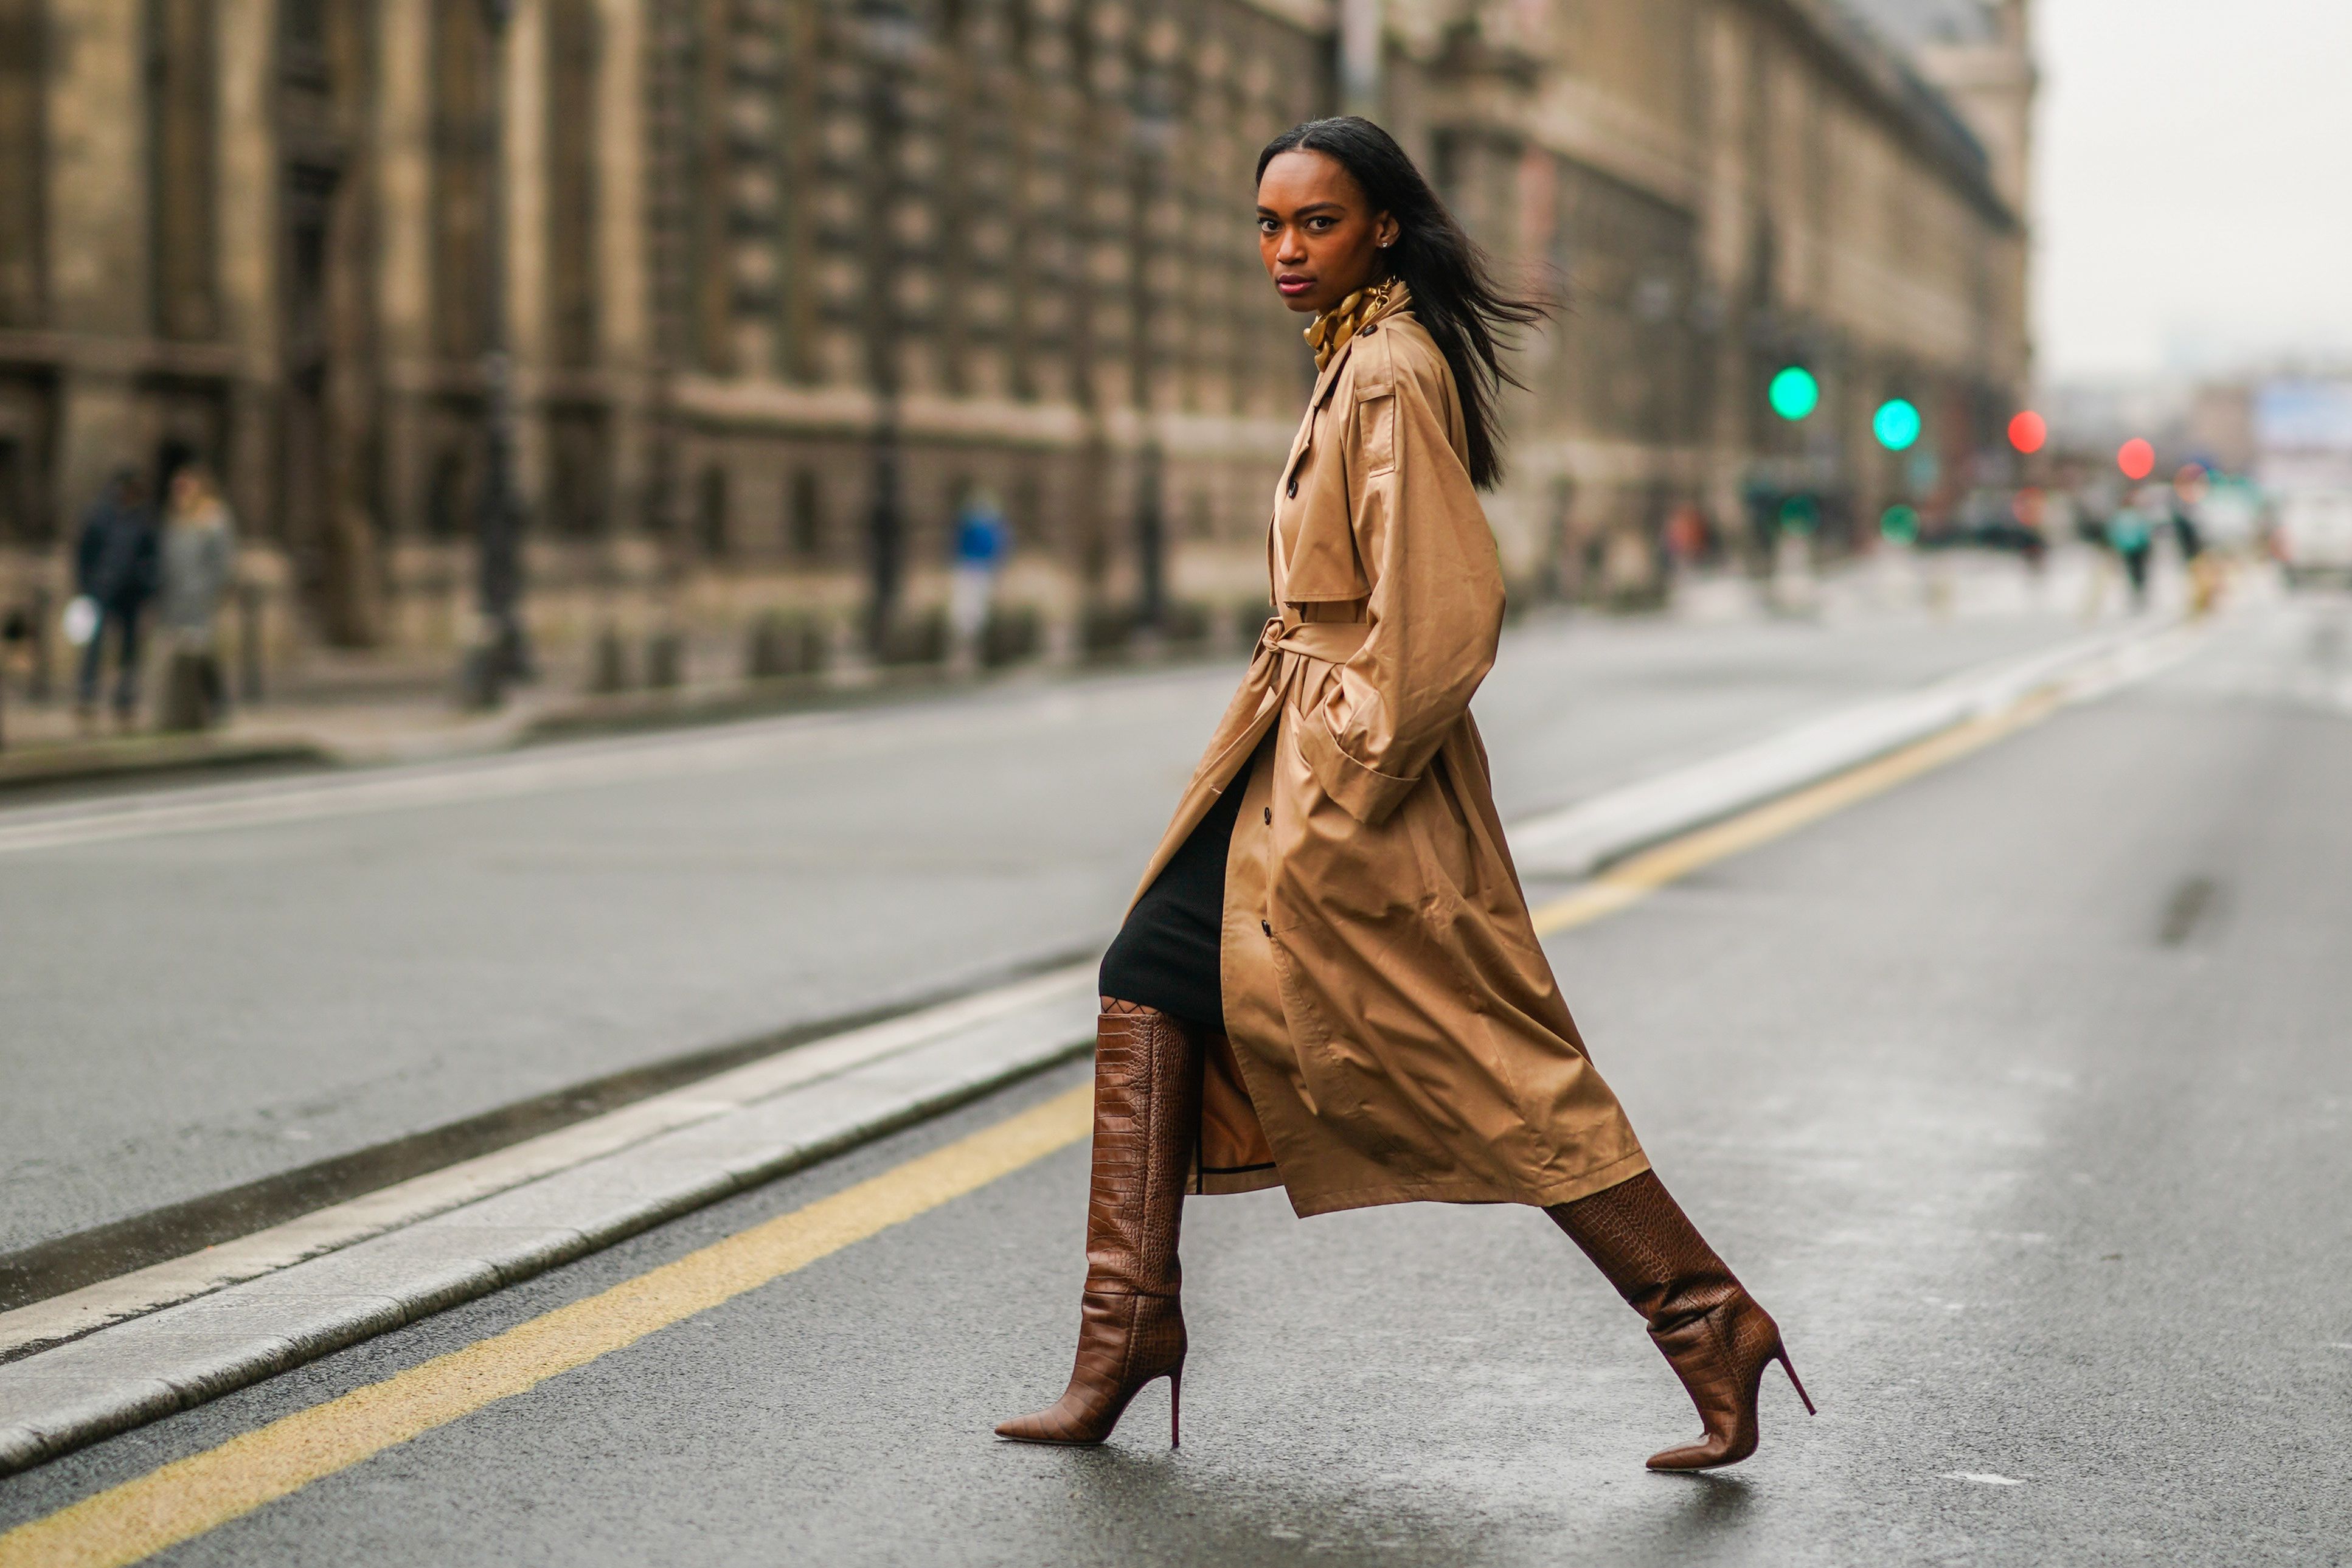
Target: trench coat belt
(1324, 642)
(1332, 642)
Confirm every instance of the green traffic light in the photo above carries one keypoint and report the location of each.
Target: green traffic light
(1896, 424)
(1794, 392)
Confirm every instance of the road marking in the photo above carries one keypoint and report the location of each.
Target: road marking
(1982, 1478)
(1634, 878)
(184, 1499)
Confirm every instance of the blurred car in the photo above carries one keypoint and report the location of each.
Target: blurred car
(2313, 537)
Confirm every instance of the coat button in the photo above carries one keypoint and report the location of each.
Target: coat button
(1269, 817)
(1292, 487)
(1265, 927)
(1370, 327)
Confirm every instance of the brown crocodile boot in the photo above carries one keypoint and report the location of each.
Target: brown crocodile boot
(1714, 1336)
(1131, 1323)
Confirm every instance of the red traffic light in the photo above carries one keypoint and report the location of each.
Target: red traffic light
(2136, 459)
(2028, 431)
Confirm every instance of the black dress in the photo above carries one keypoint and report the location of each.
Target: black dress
(1167, 955)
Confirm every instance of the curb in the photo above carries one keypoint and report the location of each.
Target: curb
(156, 757)
(250, 1309)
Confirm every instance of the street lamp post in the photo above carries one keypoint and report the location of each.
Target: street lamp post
(501, 655)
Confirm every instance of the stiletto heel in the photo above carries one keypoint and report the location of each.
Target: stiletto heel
(1176, 1405)
(1791, 1368)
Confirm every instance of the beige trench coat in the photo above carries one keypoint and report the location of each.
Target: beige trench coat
(1396, 1031)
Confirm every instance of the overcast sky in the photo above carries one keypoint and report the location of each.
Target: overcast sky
(2194, 182)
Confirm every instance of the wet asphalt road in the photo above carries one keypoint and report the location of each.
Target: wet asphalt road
(2040, 1155)
(188, 1012)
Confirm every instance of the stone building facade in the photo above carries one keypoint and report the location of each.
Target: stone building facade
(784, 279)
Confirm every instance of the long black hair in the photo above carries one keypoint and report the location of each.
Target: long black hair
(1454, 293)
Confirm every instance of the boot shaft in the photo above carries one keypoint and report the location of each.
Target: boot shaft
(1147, 1114)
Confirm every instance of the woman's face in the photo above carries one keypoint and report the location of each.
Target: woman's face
(1319, 236)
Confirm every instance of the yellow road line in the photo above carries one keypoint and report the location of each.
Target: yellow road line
(127, 1523)
(1638, 875)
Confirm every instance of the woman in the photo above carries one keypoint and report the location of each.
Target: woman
(1329, 980)
(199, 565)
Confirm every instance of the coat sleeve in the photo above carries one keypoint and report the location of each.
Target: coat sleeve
(1435, 611)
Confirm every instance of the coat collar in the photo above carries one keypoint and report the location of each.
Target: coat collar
(1346, 322)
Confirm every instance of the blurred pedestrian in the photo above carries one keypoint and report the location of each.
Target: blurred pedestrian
(2028, 509)
(2189, 490)
(2132, 538)
(17, 630)
(1685, 536)
(115, 570)
(199, 557)
(1329, 980)
(980, 547)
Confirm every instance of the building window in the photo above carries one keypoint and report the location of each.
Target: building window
(580, 475)
(181, 124)
(449, 507)
(303, 26)
(23, 33)
(18, 516)
(805, 516)
(711, 524)
(1025, 524)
